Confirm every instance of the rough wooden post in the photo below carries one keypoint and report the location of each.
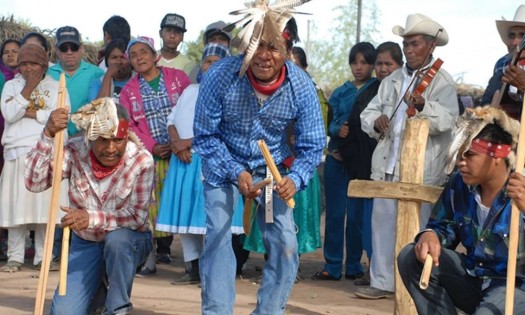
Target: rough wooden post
(410, 192)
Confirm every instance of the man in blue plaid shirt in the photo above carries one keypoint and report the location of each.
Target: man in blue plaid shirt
(474, 210)
(233, 112)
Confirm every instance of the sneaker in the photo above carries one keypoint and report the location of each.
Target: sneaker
(11, 267)
(370, 293)
(163, 259)
(146, 272)
(188, 278)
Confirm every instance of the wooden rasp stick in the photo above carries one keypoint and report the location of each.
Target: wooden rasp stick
(53, 208)
(425, 274)
(273, 168)
(248, 205)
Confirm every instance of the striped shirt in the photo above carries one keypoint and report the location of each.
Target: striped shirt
(123, 205)
(229, 120)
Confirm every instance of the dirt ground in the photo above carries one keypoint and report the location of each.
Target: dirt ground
(155, 295)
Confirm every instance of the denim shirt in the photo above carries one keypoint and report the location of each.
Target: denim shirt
(229, 120)
(454, 218)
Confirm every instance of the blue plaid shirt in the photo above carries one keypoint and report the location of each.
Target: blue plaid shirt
(229, 121)
(454, 218)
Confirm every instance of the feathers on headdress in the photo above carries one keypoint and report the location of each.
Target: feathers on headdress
(470, 124)
(262, 21)
(98, 118)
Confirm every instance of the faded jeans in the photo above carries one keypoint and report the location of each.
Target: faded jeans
(118, 257)
(218, 264)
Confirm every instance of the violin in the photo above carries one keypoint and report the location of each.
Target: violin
(423, 84)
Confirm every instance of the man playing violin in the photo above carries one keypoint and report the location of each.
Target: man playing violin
(384, 118)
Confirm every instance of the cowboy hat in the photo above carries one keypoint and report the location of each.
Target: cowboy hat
(504, 25)
(419, 24)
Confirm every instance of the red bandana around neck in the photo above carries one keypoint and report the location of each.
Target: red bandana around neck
(100, 171)
(267, 89)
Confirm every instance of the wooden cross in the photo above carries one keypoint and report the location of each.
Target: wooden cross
(409, 192)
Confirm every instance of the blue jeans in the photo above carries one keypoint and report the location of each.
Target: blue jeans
(118, 257)
(217, 262)
(340, 211)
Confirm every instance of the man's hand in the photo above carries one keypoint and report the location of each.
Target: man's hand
(286, 188)
(180, 145)
(515, 76)
(56, 122)
(516, 190)
(76, 219)
(381, 124)
(419, 101)
(162, 150)
(428, 243)
(245, 182)
(344, 130)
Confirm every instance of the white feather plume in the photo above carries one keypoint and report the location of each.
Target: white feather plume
(261, 18)
(470, 124)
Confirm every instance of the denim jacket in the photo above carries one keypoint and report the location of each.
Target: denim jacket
(454, 218)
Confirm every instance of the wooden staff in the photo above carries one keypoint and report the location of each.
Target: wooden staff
(273, 168)
(53, 208)
(248, 205)
(425, 274)
(62, 283)
(514, 222)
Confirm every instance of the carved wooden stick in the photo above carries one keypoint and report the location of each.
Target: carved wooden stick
(53, 209)
(62, 284)
(248, 204)
(273, 168)
(425, 274)
(514, 222)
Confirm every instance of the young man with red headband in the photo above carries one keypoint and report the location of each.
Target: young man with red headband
(233, 112)
(111, 176)
(474, 210)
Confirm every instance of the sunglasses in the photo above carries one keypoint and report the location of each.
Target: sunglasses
(69, 46)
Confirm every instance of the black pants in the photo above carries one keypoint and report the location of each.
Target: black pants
(450, 286)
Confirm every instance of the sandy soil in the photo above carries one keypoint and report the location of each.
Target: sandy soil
(155, 295)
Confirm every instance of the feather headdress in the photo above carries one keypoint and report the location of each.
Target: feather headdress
(98, 118)
(470, 124)
(262, 20)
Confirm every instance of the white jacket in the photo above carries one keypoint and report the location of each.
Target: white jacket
(21, 133)
(441, 109)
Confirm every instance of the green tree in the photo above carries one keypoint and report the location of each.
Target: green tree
(328, 58)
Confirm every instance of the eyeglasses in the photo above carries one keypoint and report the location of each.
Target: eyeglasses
(69, 46)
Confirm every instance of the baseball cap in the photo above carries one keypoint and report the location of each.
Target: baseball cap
(67, 34)
(214, 28)
(174, 20)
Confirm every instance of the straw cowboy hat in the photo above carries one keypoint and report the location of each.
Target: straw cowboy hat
(419, 24)
(504, 25)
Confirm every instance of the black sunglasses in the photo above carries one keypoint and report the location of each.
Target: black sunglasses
(69, 46)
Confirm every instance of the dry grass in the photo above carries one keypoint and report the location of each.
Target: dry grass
(11, 28)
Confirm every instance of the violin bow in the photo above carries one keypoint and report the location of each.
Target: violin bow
(418, 71)
(498, 95)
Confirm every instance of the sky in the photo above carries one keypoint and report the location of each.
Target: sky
(473, 48)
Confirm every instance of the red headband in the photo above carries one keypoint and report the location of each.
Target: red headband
(494, 150)
(122, 131)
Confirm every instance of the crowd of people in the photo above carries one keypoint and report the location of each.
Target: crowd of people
(158, 145)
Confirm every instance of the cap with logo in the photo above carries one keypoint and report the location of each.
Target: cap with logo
(174, 20)
(67, 34)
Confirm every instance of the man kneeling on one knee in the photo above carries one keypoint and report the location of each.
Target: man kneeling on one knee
(474, 210)
(111, 176)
